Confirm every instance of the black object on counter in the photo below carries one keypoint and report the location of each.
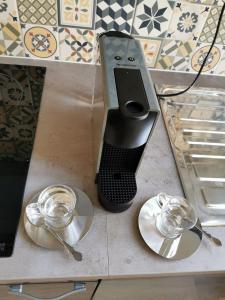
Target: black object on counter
(12, 183)
(21, 89)
(129, 114)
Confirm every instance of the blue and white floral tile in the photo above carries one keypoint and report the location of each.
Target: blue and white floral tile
(199, 55)
(187, 21)
(76, 13)
(40, 41)
(76, 45)
(151, 49)
(114, 15)
(175, 54)
(152, 17)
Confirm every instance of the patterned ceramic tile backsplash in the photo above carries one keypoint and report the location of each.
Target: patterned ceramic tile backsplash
(76, 44)
(114, 15)
(175, 54)
(40, 41)
(152, 17)
(76, 13)
(38, 11)
(174, 34)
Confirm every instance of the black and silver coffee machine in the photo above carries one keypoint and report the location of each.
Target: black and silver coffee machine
(125, 113)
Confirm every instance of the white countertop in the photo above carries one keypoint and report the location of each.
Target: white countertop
(63, 154)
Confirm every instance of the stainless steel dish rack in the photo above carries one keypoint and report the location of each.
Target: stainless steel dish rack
(195, 123)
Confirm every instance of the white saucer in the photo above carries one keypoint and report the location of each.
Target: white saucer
(171, 248)
(74, 232)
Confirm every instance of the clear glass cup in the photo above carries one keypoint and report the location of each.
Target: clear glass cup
(57, 204)
(34, 215)
(176, 215)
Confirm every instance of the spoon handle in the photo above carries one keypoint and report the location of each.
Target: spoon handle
(210, 237)
(76, 255)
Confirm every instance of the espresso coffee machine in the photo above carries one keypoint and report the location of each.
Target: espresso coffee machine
(125, 113)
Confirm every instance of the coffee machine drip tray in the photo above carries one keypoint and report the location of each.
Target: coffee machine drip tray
(116, 177)
(195, 123)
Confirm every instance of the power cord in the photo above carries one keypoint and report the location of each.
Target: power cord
(204, 61)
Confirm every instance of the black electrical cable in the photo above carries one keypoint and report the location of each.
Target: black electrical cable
(204, 61)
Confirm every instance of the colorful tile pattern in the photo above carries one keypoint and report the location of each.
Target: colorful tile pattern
(96, 53)
(10, 29)
(76, 13)
(8, 11)
(12, 38)
(3, 6)
(41, 42)
(151, 51)
(199, 55)
(219, 69)
(187, 21)
(2, 43)
(41, 12)
(66, 30)
(209, 29)
(175, 55)
(152, 17)
(76, 44)
(114, 15)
